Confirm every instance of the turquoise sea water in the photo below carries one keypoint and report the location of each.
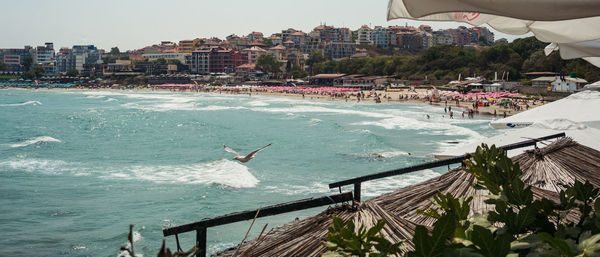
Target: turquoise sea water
(77, 167)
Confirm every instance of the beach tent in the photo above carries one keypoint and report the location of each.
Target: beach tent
(551, 21)
(581, 107)
(581, 133)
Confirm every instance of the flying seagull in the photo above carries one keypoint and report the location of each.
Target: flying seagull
(241, 157)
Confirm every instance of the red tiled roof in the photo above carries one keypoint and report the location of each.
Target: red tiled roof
(279, 47)
(298, 33)
(289, 42)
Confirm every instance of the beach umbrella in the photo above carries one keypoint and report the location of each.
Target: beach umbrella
(588, 50)
(551, 21)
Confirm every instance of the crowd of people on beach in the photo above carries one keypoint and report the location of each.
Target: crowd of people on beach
(491, 103)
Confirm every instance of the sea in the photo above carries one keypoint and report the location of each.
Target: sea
(77, 167)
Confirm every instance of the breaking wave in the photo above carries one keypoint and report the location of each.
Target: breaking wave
(222, 172)
(36, 140)
(34, 103)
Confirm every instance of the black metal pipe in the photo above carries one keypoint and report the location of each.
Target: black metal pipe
(265, 211)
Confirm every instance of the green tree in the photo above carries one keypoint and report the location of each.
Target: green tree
(115, 51)
(268, 63)
(36, 72)
(298, 72)
(27, 62)
(73, 73)
(3, 66)
(316, 56)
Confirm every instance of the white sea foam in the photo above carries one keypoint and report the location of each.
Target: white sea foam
(315, 120)
(382, 186)
(320, 109)
(223, 172)
(36, 140)
(95, 96)
(288, 189)
(111, 100)
(34, 103)
(258, 103)
(41, 165)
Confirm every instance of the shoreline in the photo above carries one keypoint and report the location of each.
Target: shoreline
(393, 97)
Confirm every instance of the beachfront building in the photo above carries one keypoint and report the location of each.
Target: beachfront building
(278, 52)
(339, 50)
(332, 34)
(187, 46)
(362, 82)
(364, 35)
(442, 37)
(380, 37)
(199, 63)
(559, 83)
(253, 53)
(216, 60)
(325, 79)
(255, 36)
(181, 57)
(44, 54)
(13, 58)
(409, 41)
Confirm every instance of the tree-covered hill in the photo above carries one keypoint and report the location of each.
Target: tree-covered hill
(446, 62)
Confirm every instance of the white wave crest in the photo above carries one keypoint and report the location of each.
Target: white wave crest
(34, 103)
(110, 100)
(393, 154)
(258, 103)
(223, 172)
(320, 109)
(36, 140)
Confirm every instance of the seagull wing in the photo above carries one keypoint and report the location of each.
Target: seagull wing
(231, 151)
(250, 155)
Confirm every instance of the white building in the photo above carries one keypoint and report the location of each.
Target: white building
(567, 84)
(559, 84)
(364, 35)
(167, 56)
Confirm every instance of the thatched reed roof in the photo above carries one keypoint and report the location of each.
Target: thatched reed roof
(561, 162)
(558, 163)
(306, 237)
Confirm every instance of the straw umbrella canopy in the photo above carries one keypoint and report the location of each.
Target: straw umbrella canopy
(306, 237)
(562, 162)
(552, 21)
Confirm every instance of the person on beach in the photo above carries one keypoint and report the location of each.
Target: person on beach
(427, 116)
(451, 115)
(445, 110)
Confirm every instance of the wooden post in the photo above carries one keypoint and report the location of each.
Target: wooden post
(357, 192)
(201, 242)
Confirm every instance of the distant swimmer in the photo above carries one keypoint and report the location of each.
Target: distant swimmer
(242, 158)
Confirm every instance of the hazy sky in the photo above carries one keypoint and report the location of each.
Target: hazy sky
(132, 24)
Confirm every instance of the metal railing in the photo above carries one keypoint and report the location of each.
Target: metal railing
(200, 226)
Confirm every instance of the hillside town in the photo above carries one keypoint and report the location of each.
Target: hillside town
(289, 57)
(213, 55)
